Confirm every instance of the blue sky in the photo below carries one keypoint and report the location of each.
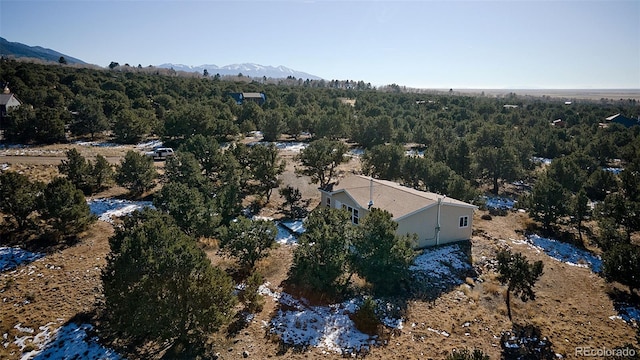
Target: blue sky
(427, 44)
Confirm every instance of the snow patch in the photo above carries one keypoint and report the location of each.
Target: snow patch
(613, 170)
(149, 144)
(295, 226)
(286, 146)
(70, 341)
(11, 257)
(356, 152)
(327, 327)
(566, 253)
(108, 208)
(442, 261)
(500, 203)
(541, 160)
(97, 144)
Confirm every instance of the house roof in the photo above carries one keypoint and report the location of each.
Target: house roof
(252, 95)
(5, 98)
(613, 117)
(399, 200)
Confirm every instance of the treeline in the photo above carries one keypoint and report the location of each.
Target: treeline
(460, 137)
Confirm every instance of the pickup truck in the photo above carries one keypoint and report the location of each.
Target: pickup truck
(160, 153)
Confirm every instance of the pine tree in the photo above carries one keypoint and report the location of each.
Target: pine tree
(519, 275)
(136, 173)
(64, 208)
(159, 285)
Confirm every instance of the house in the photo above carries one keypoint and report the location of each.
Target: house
(622, 120)
(8, 102)
(347, 101)
(240, 98)
(436, 219)
(558, 123)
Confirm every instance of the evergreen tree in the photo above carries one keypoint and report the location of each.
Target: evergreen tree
(518, 275)
(249, 241)
(102, 173)
(495, 163)
(265, 167)
(160, 286)
(273, 125)
(18, 197)
(89, 116)
(580, 209)
(136, 173)
(384, 161)
(64, 208)
(381, 256)
(194, 213)
(77, 170)
(320, 160)
(621, 263)
(548, 201)
(321, 259)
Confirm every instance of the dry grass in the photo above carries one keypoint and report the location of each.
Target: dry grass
(572, 308)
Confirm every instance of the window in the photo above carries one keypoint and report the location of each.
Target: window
(464, 221)
(355, 218)
(328, 202)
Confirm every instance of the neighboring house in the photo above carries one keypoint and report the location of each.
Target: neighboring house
(240, 98)
(622, 120)
(8, 102)
(436, 219)
(347, 101)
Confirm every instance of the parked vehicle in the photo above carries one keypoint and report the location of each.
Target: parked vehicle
(160, 153)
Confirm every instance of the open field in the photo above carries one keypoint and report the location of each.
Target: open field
(573, 307)
(588, 94)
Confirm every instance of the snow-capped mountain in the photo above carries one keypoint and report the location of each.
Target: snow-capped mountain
(247, 69)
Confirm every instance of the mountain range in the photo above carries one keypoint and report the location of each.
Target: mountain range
(20, 50)
(248, 69)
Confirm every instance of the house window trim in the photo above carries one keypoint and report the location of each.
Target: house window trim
(463, 222)
(354, 213)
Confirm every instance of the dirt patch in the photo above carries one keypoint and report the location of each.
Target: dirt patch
(572, 307)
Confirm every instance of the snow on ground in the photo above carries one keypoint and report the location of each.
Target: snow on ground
(149, 144)
(108, 208)
(97, 144)
(541, 160)
(326, 327)
(288, 146)
(356, 152)
(613, 170)
(442, 266)
(13, 257)
(25, 151)
(70, 341)
(284, 236)
(414, 152)
(566, 253)
(295, 226)
(500, 203)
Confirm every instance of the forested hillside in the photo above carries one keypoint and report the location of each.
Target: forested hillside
(578, 179)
